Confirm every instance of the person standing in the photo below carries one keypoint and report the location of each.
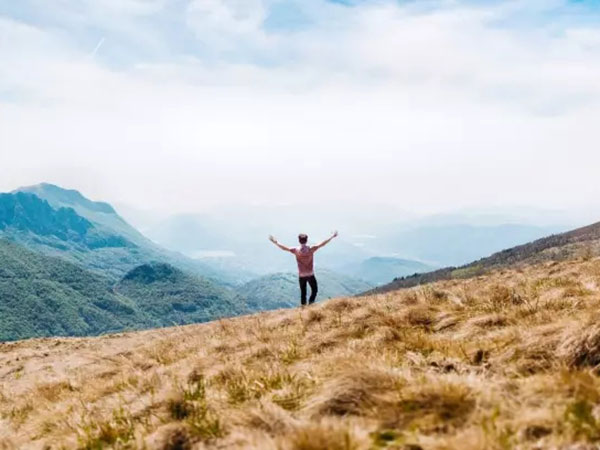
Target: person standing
(305, 259)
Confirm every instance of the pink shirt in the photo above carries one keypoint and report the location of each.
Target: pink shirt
(304, 258)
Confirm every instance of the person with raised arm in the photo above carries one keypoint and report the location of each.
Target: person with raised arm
(305, 259)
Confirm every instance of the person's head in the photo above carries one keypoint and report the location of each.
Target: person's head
(302, 238)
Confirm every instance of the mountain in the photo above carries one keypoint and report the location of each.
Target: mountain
(31, 221)
(508, 360)
(281, 290)
(44, 296)
(584, 241)
(175, 297)
(379, 269)
(101, 214)
(48, 296)
(24, 212)
(64, 223)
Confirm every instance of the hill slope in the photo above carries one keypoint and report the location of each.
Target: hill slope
(43, 296)
(174, 297)
(280, 290)
(506, 360)
(582, 241)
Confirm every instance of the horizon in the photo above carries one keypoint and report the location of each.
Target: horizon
(186, 106)
(477, 215)
(234, 238)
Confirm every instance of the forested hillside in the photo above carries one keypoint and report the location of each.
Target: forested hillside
(176, 298)
(47, 296)
(44, 296)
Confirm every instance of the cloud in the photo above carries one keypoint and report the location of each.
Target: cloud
(231, 17)
(189, 103)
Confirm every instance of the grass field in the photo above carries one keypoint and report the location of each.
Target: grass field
(505, 360)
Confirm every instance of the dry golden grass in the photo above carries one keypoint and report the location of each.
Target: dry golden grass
(505, 360)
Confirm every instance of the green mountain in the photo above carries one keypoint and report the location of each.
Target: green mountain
(379, 270)
(31, 221)
(44, 296)
(175, 297)
(64, 223)
(47, 296)
(281, 290)
(102, 215)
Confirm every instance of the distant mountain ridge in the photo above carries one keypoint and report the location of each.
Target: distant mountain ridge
(59, 197)
(383, 269)
(459, 243)
(25, 212)
(584, 241)
(108, 245)
(28, 218)
(101, 214)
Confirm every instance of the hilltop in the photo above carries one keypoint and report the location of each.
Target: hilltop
(503, 360)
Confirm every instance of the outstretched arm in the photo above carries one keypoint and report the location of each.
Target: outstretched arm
(325, 242)
(281, 246)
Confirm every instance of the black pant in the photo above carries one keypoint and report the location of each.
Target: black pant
(313, 289)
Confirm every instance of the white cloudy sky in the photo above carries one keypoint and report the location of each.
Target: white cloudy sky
(180, 104)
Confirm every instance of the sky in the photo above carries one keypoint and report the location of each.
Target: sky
(181, 105)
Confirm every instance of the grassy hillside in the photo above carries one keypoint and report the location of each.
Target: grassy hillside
(583, 241)
(281, 290)
(505, 360)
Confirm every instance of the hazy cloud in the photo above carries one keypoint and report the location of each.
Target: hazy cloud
(188, 103)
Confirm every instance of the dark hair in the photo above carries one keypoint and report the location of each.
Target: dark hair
(303, 238)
